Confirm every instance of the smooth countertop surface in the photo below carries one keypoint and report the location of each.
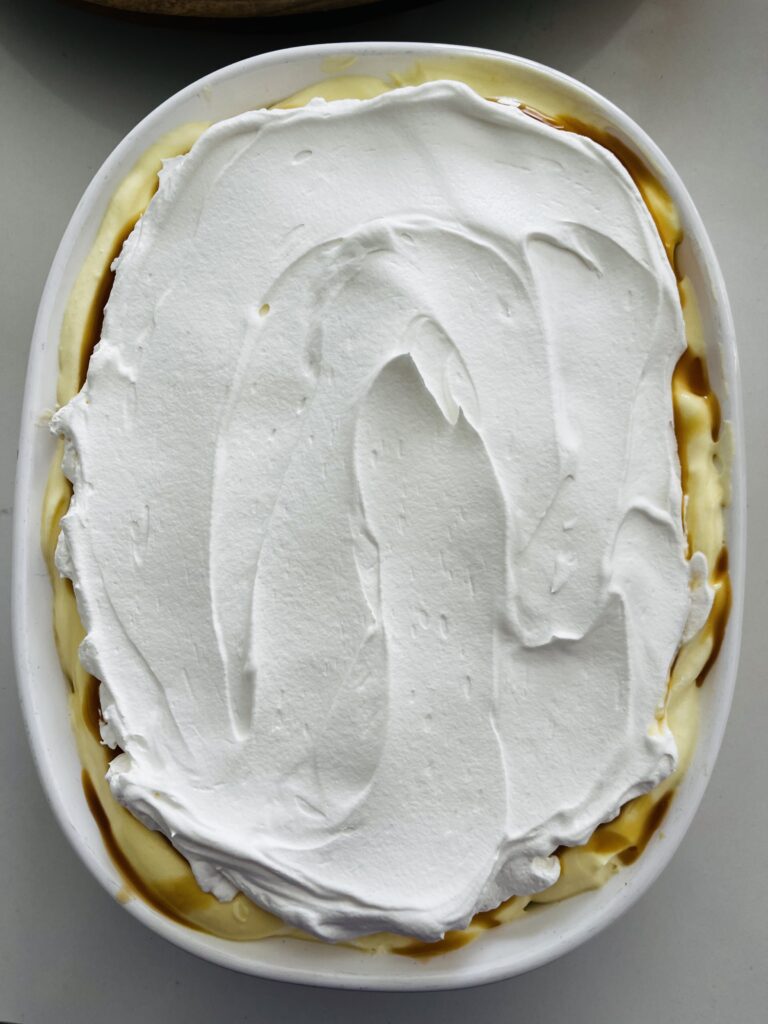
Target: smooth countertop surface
(694, 74)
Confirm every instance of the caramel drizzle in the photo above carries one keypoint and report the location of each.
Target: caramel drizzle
(134, 883)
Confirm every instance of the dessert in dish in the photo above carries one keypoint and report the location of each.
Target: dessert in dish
(372, 620)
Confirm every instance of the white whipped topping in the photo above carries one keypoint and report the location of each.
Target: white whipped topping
(376, 522)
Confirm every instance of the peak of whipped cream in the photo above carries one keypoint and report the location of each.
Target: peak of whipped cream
(376, 522)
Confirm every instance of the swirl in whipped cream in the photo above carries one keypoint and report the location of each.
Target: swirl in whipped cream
(376, 530)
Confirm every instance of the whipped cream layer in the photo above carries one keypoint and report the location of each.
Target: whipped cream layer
(376, 524)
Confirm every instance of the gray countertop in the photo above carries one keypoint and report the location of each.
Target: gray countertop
(694, 73)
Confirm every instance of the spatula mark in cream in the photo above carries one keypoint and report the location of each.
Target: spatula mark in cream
(442, 369)
(140, 527)
(455, 522)
(348, 748)
(281, 426)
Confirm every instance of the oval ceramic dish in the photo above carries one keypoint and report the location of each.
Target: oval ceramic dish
(537, 937)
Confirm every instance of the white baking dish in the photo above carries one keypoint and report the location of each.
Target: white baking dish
(537, 937)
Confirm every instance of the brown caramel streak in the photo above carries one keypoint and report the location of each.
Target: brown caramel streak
(134, 883)
(647, 183)
(95, 320)
(424, 950)
(720, 613)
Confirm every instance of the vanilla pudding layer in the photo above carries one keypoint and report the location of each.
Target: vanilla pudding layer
(426, 371)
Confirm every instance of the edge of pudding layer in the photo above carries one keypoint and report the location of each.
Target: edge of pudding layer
(557, 570)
